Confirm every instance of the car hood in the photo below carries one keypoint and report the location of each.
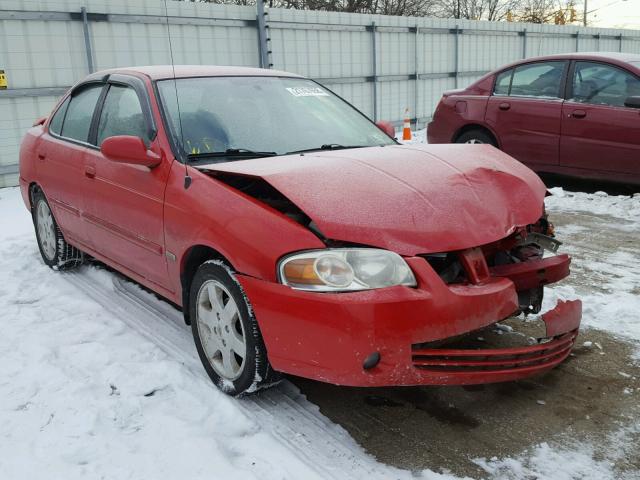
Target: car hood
(411, 199)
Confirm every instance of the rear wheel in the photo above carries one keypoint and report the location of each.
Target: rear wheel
(55, 251)
(476, 136)
(226, 332)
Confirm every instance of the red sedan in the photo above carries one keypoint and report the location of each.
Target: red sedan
(576, 114)
(296, 235)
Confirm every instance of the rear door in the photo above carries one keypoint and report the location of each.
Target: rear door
(60, 162)
(525, 111)
(598, 131)
(124, 203)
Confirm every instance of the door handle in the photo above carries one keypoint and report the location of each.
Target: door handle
(90, 171)
(578, 114)
(504, 106)
(42, 157)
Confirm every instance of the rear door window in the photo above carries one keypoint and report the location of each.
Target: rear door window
(601, 84)
(540, 79)
(122, 115)
(55, 126)
(77, 120)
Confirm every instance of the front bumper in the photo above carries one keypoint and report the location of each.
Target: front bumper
(470, 366)
(328, 337)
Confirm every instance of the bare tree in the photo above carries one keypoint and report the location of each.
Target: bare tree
(493, 10)
(560, 12)
(533, 11)
(385, 7)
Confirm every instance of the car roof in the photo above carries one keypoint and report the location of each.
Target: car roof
(159, 72)
(622, 57)
(613, 57)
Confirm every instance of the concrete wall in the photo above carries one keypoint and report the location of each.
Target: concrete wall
(46, 46)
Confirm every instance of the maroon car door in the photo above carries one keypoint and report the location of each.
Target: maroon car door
(525, 111)
(125, 202)
(598, 132)
(60, 159)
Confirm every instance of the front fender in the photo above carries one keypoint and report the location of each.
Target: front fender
(249, 234)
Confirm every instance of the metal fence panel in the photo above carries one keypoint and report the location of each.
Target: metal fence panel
(358, 94)
(380, 64)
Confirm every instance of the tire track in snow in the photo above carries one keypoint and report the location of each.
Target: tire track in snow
(282, 410)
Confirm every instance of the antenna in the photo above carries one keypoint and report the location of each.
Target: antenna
(187, 178)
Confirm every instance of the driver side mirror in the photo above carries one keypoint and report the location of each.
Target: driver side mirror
(129, 149)
(632, 102)
(387, 128)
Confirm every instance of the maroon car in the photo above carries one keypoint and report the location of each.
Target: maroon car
(574, 114)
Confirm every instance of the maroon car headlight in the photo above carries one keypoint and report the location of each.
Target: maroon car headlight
(345, 270)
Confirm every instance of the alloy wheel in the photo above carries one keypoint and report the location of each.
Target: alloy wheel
(46, 230)
(221, 330)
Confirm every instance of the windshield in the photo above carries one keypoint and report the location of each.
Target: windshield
(273, 115)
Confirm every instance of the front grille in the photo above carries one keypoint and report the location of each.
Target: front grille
(465, 361)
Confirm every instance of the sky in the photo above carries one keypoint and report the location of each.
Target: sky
(613, 13)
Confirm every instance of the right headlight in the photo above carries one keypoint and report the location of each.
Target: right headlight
(345, 269)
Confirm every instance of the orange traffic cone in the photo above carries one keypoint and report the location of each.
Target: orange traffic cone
(406, 130)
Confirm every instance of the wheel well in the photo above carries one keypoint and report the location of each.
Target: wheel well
(192, 259)
(475, 126)
(33, 188)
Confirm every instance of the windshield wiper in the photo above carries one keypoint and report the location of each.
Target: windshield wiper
(327, 146)
(231, 153)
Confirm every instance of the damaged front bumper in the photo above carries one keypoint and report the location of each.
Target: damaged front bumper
(472, 366)
(385, 337)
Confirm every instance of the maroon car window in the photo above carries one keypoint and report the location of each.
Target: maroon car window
(56, 122)
(262, 114)
(79, 113)
(503, 82)
(121, 115)
(540, 79)
(600, 84)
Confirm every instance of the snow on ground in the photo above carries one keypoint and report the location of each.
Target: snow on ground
(95, 385)
(562, 462)
(611, 303)
(620, 206)
(614, 302)
(418, 136)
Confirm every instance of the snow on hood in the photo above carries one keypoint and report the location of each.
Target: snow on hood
(410, 199)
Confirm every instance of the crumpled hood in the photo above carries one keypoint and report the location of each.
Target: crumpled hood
(411, 199)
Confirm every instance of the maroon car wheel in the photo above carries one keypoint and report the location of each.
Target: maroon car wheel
(476, 136)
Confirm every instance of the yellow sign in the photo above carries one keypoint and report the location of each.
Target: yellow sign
(3, 80)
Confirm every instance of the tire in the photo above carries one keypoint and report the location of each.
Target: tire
(56, 252)
(476, 136)
(226, 332)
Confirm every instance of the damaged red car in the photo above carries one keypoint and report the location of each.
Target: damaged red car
(296, 235)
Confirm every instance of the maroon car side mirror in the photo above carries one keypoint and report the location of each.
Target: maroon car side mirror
(129, 149)
(632, 102)
(387, 128)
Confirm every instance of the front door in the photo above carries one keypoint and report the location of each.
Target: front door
(525, 111)
(598, 132)
(124, 204)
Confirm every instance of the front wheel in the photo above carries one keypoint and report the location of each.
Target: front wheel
(55, 251)
(226, 332)
(476, 136)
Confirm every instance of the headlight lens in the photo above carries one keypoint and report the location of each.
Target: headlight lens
(345, 269)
